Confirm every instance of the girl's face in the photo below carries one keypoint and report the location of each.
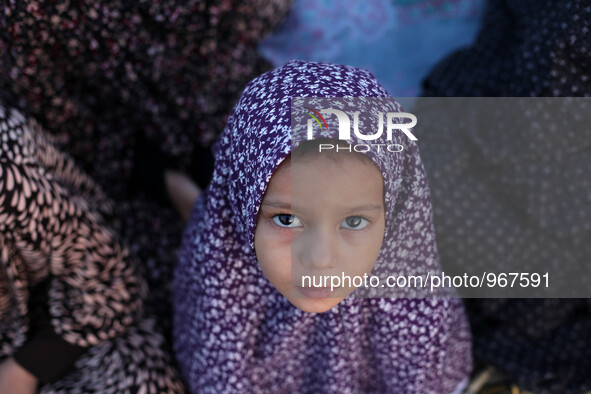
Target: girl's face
(320, 217)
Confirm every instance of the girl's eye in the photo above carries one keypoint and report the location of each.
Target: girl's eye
(286, 220)
(355, 223)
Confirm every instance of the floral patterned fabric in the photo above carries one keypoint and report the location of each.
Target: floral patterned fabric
(526, 189)
(235, 332)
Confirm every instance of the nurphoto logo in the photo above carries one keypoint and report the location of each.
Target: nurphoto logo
(344, 129)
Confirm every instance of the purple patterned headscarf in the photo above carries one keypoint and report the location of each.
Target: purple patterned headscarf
(234, 332)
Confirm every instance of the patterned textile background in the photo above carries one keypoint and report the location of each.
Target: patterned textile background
(397, 40)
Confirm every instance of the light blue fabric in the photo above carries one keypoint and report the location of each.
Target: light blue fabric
(397, 40)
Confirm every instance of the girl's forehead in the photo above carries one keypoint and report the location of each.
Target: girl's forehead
(338, 163)
(317, 180)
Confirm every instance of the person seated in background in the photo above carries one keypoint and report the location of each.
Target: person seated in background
(71, 295)
(526, 187)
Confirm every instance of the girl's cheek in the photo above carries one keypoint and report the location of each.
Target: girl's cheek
(279, 234)
(272, 235)
(362, 238)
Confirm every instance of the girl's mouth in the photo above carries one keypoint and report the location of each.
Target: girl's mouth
(316, 292)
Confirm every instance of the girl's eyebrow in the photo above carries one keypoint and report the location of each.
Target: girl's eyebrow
(369, 207)
(276, 204)
(284, 205)
(361, 209)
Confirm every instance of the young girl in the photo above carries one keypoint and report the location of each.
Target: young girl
(244, 321)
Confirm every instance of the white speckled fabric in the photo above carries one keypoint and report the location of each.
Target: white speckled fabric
(234, 332)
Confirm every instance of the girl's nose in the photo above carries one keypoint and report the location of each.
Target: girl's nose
(318, 249)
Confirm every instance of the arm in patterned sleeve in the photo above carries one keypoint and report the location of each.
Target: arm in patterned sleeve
(95, 290)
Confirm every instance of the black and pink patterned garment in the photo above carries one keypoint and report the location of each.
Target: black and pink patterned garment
(71, 295)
